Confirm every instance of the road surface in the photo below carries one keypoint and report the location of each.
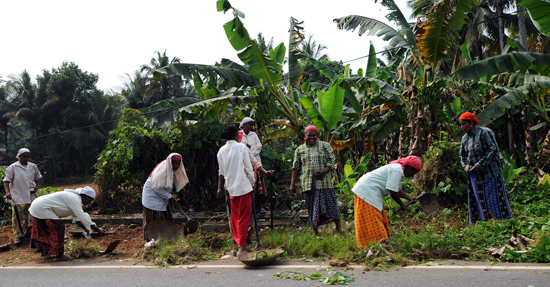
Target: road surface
(232, 273)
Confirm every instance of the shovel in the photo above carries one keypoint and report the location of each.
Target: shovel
(191, 225)
(428, 203)
(111, 247)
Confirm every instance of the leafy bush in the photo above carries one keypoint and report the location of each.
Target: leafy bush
(198, 145)
(132, 152)
(281, 163)
(444, 175)
(81, 249)
(4, 207)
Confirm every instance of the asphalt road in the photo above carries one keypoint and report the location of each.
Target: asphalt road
(232, 273)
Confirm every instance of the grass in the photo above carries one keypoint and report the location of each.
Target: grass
(83, 249)
(416, 238)
(187, 249)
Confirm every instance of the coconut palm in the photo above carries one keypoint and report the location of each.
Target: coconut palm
(264, 46)
(314, 50)
(168, 87)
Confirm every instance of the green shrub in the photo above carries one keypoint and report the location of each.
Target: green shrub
(4, 207)
(444, 175)
(133, 150)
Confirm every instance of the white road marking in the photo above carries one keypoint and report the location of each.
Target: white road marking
(286, 267)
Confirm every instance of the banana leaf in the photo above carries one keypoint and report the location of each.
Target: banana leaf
(236, 76)
(282, 133)
(539, 11)
(333, 104)
(296, 37)
(517, 62)
(508, 100)
(370, 71)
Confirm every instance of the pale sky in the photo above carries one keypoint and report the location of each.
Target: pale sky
(114, 37)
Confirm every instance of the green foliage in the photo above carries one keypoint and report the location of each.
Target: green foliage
(46, 190)
(539, 253)
(444, 175)
(183, 250)
(82, 249)
(198, 145)
(333, 278)
(4, 207)
(279, 158)
(122, 169)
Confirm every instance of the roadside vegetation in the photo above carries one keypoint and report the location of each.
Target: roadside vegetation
(405, 101)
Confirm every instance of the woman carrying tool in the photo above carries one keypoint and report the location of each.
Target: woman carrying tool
(312, 162)
(252, 141)
(21, 182)
(237, 175)
(48, 231)
(169, 175)
(487, 198)
(371, 222)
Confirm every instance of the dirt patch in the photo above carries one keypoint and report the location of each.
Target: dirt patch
(130, 247)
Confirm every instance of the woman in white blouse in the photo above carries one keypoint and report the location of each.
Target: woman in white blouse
(252, 141)
(48, 231)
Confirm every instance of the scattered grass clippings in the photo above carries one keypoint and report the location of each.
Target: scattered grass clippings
(332, 278)
(82, 249)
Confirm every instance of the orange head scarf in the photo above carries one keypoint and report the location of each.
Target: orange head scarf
(469, 117)
(411, 160)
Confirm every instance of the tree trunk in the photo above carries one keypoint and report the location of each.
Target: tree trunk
(499, 9)
(521, 25)
(544, 155)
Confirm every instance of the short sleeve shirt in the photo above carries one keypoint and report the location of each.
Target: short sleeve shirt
(22, 181)
(375, 185)
(311, 159)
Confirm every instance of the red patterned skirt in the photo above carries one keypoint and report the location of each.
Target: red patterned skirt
(48, 236)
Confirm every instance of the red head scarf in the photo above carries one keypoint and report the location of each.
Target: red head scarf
(469, 116)
(411, 160)
(311, 128)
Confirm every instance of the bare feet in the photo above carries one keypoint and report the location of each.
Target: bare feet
(62, 258)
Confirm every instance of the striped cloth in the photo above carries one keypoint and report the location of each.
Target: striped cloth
(487, 199)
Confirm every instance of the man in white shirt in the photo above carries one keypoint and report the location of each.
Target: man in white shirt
(21, 182)
(48, 231)
(237, 175)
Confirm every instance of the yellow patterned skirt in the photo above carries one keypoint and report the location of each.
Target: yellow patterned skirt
(371, 224)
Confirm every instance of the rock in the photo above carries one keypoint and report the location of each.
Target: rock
(338, 263)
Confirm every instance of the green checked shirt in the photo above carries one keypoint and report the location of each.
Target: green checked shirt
(311, 159)
(480, 148)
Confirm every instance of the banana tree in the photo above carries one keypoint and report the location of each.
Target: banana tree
(526, 77)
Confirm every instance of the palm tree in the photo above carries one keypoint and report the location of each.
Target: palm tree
(314, 50)
(7, 111)
(133, 90)
(264, 46)
(500, 6)
(168, 87)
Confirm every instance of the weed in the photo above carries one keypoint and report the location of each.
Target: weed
(82, 249)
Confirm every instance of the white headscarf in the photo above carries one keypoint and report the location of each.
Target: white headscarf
(163, 175)
(22, 151)
(83, 190)
(245, 121)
